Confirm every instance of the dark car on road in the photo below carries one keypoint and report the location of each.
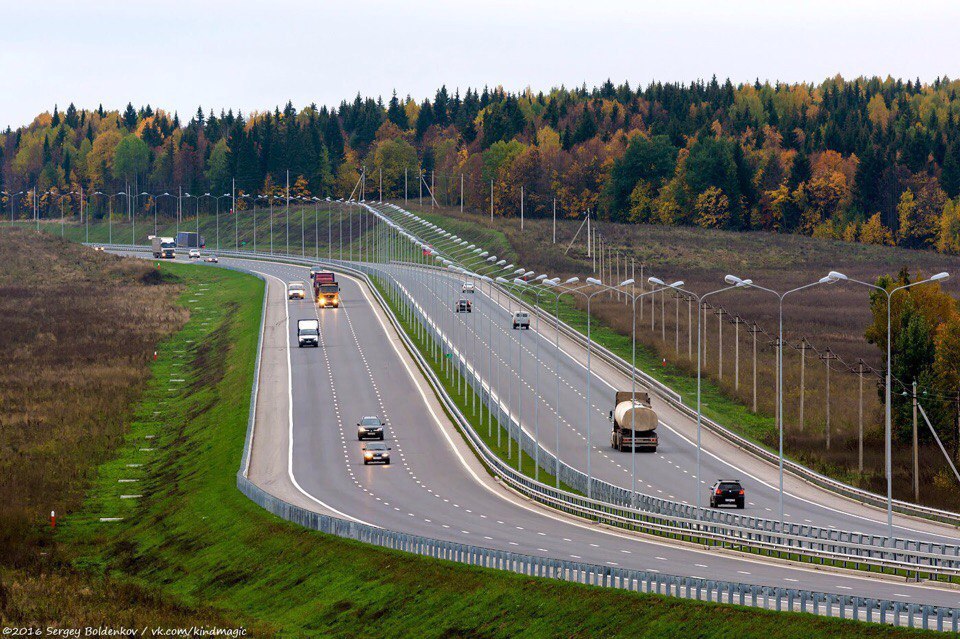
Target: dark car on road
(725, 492)
(370, 427)
(463, 306)
(376, 454)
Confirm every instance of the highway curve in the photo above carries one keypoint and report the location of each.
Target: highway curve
(435, 486)
(489, 343)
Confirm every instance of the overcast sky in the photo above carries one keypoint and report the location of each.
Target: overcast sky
(256, 55)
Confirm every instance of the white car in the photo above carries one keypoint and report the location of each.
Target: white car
(468, 287)
(521, 319)
(213, 259)
(194, 254)
(295, 291)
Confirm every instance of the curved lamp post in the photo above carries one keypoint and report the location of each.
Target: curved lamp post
(738, 282)
(678, 286)
(888, 404)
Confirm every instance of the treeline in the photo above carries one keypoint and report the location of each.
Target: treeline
(869, 160)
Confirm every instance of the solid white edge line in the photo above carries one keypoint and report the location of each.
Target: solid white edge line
(732, 466)
(293, 479)
(637, 538)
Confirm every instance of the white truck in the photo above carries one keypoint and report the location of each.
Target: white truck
(308, 333)
(163, 247)
(634, 422)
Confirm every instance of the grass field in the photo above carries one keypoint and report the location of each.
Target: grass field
(78, 330)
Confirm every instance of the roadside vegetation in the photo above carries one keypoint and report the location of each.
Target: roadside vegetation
(78, 332)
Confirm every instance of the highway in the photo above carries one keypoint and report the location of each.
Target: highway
(512, 359)
(435, 486)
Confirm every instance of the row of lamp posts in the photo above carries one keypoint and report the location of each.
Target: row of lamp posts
(557, 288)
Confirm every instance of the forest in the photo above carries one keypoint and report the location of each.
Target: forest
(870, 160)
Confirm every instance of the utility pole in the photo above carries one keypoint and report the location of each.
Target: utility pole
(754, 330)
(491, 201)
(590, 244)
(803, 377)
(381, 185)
(677, 295)
(433, 188)
(861, 369)
(737, 321)
(554, 220)
(461, 192)
(826, 357)
(521, 207)
(663, 316)
(720, 311)
(233, 208)
(916, 453)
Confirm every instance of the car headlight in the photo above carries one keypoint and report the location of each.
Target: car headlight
(362, 429)
(368, 455)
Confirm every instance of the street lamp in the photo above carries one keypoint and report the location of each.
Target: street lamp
(633, 380)
(164, 194)
(677, 286)
(11, 197)
(589, 297)
(536, 409)
(888, 404)
(738, 282)
(552, 284)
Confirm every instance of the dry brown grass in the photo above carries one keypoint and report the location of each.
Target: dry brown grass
(79, 328)
(830, 317)
(83, 601)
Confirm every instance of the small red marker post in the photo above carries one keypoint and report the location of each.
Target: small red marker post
(664, 362)
(154, 355)
(53, 519)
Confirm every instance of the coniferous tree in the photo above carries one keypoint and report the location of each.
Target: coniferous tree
(130, 117)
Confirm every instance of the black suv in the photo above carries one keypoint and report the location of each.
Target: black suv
(726, 491)
(370, 428)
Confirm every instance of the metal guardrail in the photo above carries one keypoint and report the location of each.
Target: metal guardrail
(612, 504)
(897, 613)
(856, 552)
(674, 399)
(616, 506)
(772, 598)
(606, 492)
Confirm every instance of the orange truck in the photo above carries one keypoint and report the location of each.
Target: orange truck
(326, 291)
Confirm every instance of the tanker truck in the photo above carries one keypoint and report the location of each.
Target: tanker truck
(634, 422)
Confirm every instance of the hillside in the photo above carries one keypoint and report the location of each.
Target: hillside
(867, 159)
